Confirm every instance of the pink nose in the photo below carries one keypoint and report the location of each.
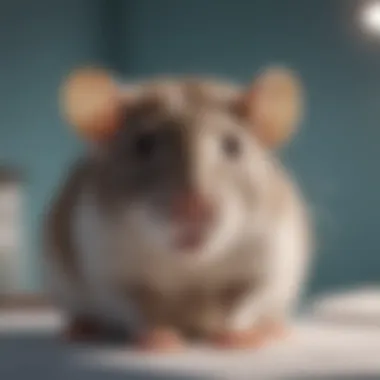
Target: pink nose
(192, 207)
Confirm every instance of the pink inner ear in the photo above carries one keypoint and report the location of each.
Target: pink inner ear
(94, 104)
(274, 107)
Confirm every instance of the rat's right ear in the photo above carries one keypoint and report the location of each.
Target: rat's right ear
(93, 103)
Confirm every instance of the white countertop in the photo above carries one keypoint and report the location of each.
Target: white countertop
(320, 348)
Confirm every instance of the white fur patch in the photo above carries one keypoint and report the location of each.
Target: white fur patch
(286, 266)
(94, 295)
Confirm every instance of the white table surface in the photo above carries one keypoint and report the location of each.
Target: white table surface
(318, 349)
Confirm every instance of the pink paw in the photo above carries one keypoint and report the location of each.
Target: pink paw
(276, 330)
(253, 338)
(161, 340)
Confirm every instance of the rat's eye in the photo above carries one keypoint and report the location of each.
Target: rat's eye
(231, 146)
(145, 145)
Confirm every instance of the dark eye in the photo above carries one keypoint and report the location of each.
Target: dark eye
(231, 146)
(145, 145)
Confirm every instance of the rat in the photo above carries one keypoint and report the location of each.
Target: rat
(179, 221)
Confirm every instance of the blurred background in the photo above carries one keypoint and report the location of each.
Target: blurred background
(335, 47)
(330, 43)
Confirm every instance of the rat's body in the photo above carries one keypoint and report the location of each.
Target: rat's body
(184, 221)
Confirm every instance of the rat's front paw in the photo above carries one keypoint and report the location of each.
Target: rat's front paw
(253, 338)
(160, 340)
(276, 330)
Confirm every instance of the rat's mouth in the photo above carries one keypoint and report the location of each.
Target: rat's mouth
(191, 237)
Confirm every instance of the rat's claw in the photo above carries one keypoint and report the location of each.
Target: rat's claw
(160, 340)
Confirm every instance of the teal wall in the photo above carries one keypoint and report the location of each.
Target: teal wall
(39, 42)
(335, 156)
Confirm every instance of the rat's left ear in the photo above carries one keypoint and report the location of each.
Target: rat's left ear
(274, 106)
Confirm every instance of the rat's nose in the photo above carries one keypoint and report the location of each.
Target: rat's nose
(192, 207)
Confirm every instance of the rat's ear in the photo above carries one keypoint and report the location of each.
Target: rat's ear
(274, 106)
(92, 102)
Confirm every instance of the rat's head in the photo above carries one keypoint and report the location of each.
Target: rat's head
(185, 161)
